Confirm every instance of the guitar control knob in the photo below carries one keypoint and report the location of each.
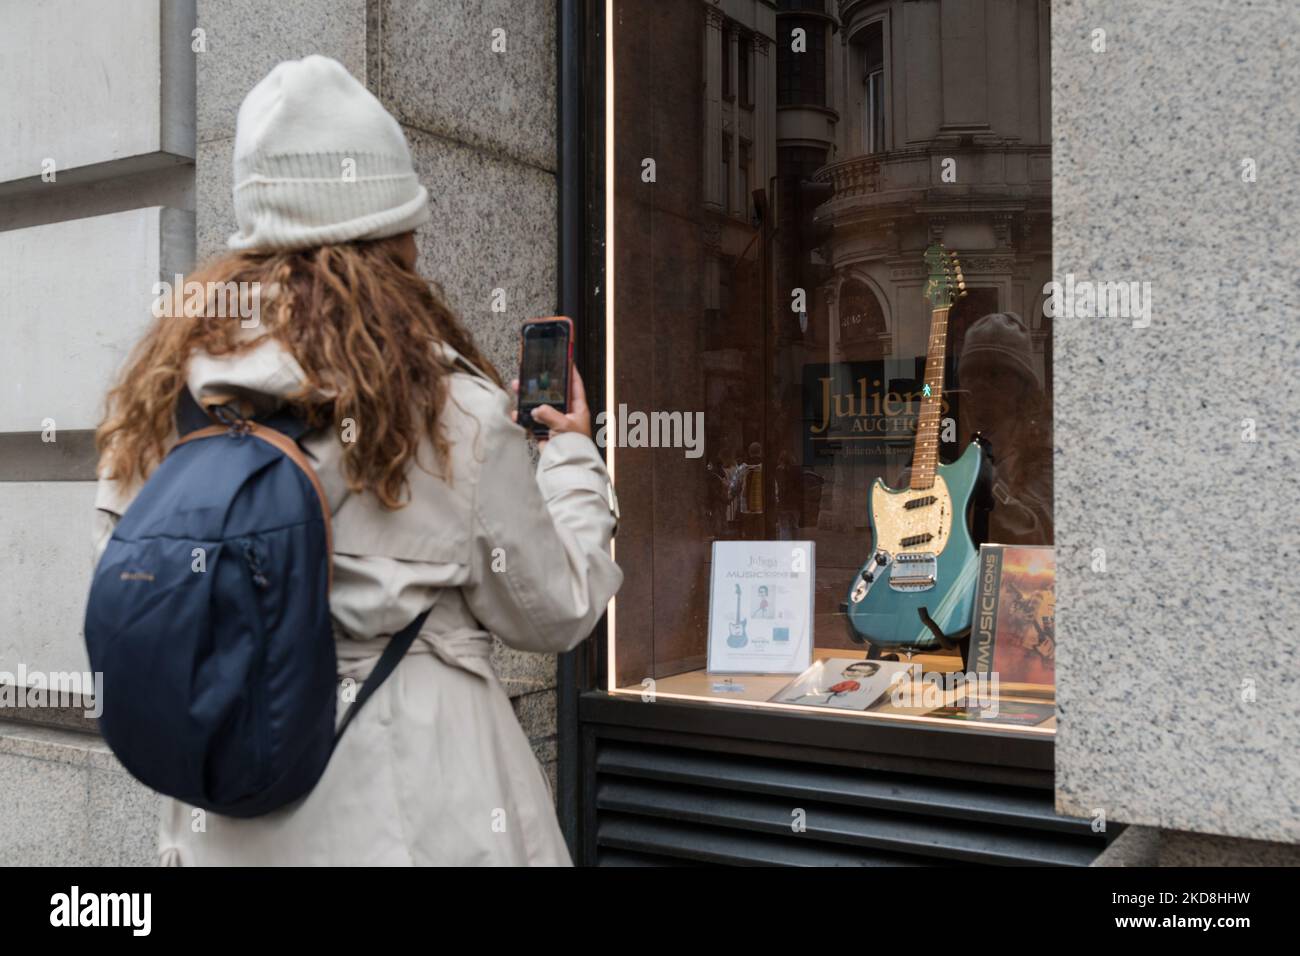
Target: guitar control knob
(882, 558)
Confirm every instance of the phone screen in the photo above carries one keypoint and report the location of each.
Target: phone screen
(544, 366)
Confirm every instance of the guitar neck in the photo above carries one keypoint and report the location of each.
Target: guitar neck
(925, 452)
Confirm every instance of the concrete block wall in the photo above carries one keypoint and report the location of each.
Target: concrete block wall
(96, 205)
(68, 802)
(93, 88)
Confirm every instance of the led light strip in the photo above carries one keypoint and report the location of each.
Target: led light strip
(609, 300)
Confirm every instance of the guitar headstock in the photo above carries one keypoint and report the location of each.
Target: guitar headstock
(946, 283)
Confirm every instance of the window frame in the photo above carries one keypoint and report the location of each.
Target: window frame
(855, 43)
(584, 698)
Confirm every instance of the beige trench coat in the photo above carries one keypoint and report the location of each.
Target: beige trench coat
(435, 769)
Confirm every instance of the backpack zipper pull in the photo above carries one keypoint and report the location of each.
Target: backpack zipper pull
(236, 425)
(254, 563)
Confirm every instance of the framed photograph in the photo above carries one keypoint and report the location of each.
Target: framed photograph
(760, 607)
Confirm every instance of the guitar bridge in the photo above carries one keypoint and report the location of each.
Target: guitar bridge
(917, 571)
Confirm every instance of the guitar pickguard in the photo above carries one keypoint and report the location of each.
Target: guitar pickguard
(912, 520)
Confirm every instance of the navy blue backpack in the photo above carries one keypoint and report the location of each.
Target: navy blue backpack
(209, 621)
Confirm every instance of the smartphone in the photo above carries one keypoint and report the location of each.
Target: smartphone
(545, 367)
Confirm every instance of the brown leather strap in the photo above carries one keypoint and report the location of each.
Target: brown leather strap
(291, 450)
(207, 432)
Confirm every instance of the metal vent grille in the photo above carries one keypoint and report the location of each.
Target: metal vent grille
(668, 805)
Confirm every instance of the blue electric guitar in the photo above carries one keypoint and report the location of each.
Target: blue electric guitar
(917, 590)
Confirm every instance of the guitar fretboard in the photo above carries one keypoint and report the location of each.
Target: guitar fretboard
(925, 454)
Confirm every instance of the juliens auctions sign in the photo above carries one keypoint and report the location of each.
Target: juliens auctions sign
(847, 409)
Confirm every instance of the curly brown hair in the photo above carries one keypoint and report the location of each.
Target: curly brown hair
(357, 319)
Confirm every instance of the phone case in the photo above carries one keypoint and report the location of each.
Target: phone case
(525, 419)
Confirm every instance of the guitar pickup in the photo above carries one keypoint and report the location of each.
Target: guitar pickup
(915, 539)
(920, 502)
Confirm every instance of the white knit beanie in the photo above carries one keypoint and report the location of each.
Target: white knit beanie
(319, 160)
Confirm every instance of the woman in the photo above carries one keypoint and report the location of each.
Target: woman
(434, 499)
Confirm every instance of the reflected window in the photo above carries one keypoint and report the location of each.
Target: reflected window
(743, 48)
(726, 173)
(861, 320)
(728, 91)
(746, 162)
(873, 96)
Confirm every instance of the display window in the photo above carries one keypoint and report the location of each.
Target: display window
(828, 401)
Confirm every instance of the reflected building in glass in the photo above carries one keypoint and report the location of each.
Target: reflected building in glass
(770, 272)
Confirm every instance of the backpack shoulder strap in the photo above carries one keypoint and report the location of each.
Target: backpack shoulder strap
(397, 647)
(286, 423)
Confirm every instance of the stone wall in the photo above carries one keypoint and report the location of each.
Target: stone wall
(96, 205)
(1177, 490)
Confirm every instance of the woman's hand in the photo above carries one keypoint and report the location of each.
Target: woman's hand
(577, 419)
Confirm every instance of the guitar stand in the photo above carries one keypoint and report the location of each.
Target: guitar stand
(960, 643)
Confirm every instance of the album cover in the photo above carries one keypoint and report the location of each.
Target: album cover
(1014, 631)
(845, 683)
